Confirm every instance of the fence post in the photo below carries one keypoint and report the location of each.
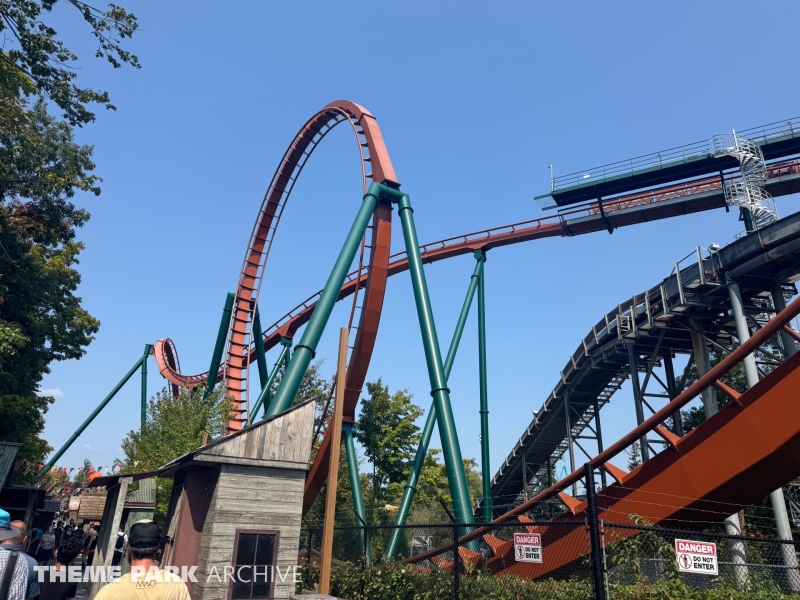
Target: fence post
(456, 563)
(594, 534)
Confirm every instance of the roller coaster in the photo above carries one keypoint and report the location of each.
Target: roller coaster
(715, 296)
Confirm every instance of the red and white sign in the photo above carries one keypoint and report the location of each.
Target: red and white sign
(528, 547)
(696, 557)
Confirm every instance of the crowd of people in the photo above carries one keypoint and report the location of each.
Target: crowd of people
(21, 550)
(60, 547)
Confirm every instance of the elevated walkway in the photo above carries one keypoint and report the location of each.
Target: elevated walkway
(776, 140)
(652, 326)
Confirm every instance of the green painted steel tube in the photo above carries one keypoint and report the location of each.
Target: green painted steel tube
(305, 351)
(355, 479)
(264, 396)
(451, 450)
(219, 347)
(261, 353)
(148, 349)
(430, 421)
(486, 475)
(97, 410)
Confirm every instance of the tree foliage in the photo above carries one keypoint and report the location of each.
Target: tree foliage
(41, 170)
(37, 54)
(387, 432)
(41, 318)
(81, 479)
(174, 426)
(23, 420)
(736, 379)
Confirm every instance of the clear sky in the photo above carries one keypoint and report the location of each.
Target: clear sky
(474, 101)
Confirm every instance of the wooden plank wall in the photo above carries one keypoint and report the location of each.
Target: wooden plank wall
(285, 438)
(250, 498)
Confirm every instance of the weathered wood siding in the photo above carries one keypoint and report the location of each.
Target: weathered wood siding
(286, 438)
(248, 497)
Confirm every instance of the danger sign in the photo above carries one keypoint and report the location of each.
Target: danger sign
(528, 547)
(696, 557)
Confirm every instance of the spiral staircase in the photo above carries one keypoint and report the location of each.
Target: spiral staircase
(747, 192)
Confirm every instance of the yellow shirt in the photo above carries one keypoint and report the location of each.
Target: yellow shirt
(153, 585)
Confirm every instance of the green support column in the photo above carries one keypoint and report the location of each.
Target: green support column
(265, 396)
(487, 477)
(97, 410)
(451, 450)
(219, 347)
(430, 421)
(261, 354)
(148, 349)
(306, 350)
(355, 481)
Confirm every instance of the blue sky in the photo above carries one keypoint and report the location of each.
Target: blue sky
(474, 101)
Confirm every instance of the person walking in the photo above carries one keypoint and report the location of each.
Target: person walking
(59, 533)
(58, 587)
(89, 544)
(13, 569)
(119, 546)
(46, 546)
(14, 544)
(144, 543)
(69, 529)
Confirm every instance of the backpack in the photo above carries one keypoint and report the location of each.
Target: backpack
(120, 541)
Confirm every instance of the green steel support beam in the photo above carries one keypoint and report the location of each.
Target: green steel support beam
(486, 475)
(148, 350)
(451, 450)
(219, 347)
(306, 350)
(96, 412)
(264, 397)
(430, 421)
(261, 353)
(355, 481)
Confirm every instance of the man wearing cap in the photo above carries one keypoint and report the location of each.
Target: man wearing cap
(15, 544)
(145, 581)
(14, 584)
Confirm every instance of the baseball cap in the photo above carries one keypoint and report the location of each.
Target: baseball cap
(144, 534)
(6, 530)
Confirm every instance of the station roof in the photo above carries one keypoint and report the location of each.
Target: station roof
(776, 140)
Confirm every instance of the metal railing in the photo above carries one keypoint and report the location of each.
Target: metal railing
(673, 156)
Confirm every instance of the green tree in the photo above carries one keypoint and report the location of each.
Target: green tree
(174, 426)
(41, 169)
(433, 489)
(41, 318)
(35, 52)
(81, 479)
(389, 436)
(23, 420)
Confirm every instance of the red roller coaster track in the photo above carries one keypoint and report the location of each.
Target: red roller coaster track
(374, 262)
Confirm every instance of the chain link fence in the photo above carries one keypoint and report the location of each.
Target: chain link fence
(660, 561)
(550, 560)
(434, 561)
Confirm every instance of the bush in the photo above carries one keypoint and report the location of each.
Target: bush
(404, 582)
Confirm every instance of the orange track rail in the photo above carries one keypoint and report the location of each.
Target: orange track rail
(372, 277)
(735, 458)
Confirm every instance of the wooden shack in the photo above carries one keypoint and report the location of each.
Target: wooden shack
(91, 507)
(237, 502)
